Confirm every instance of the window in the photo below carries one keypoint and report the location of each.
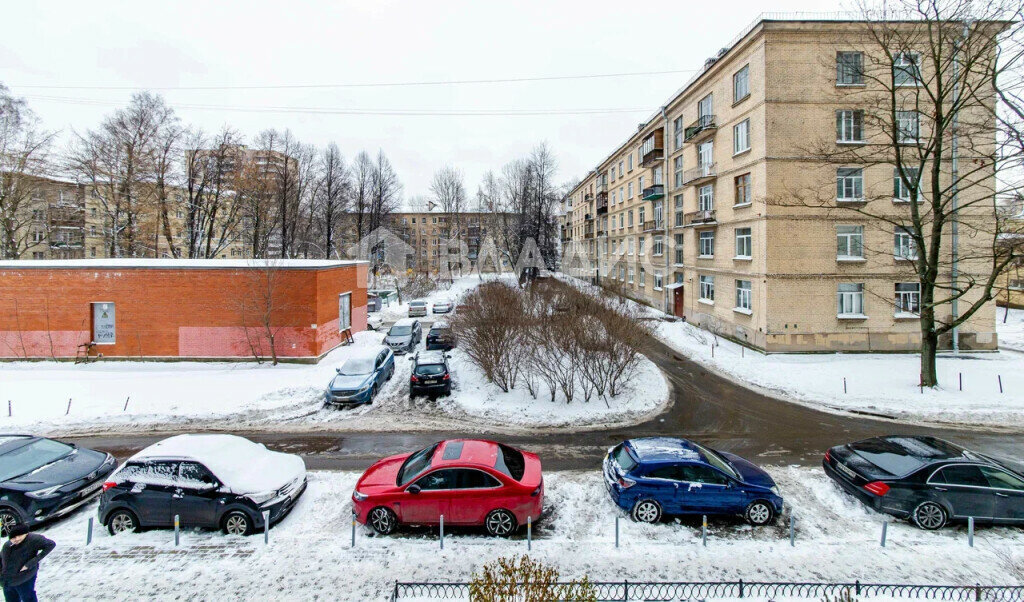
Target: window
(659, 246)
(679, 248)
(706, 198)
(622, 272)
(631, 243)
(677, 170)
(903, 245)
(706, 244)
(642, 278)
(901, 185)
(705, 107)
(850, 242)
(743, 243)
(620, 169)
(629, 166)
(850, 299)
(640, 212)
(1000, 479)
(849, 68)
(640, 246)
(196, 476)
(103, 324)
(344, 312)
(743, 294)
(707, 288)
(741, 137)
(906, 69)
(849, 126)
(908, 127)
(965, 475)
(38, 255)
(630, 274)
(908, 298)
(741, 84)
(629, 189)
(630, 221)
(680, 216)
(849, 184)
(677, 125)
(659, 280)
(438, 480)
(742, 184)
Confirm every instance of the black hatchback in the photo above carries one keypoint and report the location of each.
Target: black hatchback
(430, 374)
(440, 337)
(928, 481)
(42, 479)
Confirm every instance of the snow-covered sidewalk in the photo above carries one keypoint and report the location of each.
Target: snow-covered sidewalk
(309, 556)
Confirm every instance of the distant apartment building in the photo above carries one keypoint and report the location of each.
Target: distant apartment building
(684, 214)
(433, 236)
(51, 220)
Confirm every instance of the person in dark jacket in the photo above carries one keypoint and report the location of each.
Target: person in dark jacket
(19, 563)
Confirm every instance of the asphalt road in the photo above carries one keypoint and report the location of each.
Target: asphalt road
(706, 407)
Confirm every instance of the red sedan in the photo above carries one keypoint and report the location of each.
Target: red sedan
(467, 481)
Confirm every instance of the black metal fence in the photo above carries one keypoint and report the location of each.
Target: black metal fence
(625, 591)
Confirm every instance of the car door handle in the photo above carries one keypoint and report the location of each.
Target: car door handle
(1002, 494)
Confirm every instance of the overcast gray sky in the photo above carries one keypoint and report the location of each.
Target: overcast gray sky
(146, 45)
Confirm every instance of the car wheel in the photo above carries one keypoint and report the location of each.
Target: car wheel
(383, 520)
(122, 521)
(8, 518)
(929, 516)
(391, 373)
(759, 513)
(500, 523)
(647, 511)
(373, 393)
(237, 523)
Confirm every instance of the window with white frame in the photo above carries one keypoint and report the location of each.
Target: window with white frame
(742, 189)
(901, 185)
(850, 242)
(906, 69)
(849, 68)
(677, 128)
(908, 127)
(744, 244)
(659, 280)
(706, 197)
(630, 275)
(903, 244)
(849, 184)
(642, 277)
(705, 107)
(658, 246)
(707, 288)
(741, 137)
(630, 220)
(677, 171)
(631, 243)
(629, 190)
(620, 169)
(850, 299)
(629, 165)
(849, 126)
(706, 244)
(622, 273)
(908, 298)
(640, 213)
(741, 84)
(680, 216)
(743, 295)
(640, 245)
(678, 239)
(658, 214)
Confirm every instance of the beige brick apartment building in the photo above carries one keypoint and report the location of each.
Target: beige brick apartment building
(690, 213)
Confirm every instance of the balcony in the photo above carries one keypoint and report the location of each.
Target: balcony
(601, 233)
(653, 193)
(699, 174)
(652, 149)
(602, 206)
(704, 125)
(696, 218)
(588, 197)
(653, 226)
(588, 217)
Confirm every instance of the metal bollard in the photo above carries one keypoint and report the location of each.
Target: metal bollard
(353, 529)
(266, 526)
(885, 528)
(69, 407)
(442, 531)
(616, 530)
(126, 403)
(792, 536)
(704, 531)
(177, 529)
(88, 535)
(844, 384)
(961, 381)
(9, 414)
(529, 533)
(970, 531)
(999, 376)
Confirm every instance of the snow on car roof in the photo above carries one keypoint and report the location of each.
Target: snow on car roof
(663, 449)
(430, 357)
(244, 466)
(406, 322)
(418, 302)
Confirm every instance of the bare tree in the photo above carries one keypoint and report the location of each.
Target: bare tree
(450, 194)
(332, 195)
(213, 192)
(362, 184)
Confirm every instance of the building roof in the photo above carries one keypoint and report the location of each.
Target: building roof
(200, 264)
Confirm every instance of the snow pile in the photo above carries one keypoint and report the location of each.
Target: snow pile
(309, 555)
(1011, 332)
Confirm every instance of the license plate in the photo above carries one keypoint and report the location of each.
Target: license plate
(430, 382)
(86, 492)
(843, 469)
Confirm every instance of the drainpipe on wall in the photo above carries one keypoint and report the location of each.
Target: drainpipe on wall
(955, 271)
(666, 306)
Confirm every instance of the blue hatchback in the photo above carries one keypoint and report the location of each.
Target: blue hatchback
(360, 378)
(655, 476)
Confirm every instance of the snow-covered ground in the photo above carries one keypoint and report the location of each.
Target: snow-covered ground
(309, 556)
(245, 395)
(1011, 332)
(446, 292)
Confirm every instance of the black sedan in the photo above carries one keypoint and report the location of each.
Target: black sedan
(440, 337)
(928, 481)
(42, 479)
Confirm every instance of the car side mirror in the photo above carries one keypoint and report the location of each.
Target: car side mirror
(413, 489)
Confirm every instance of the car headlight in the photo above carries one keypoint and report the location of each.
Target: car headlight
(359, 496)
(42, 494)
(261, 498)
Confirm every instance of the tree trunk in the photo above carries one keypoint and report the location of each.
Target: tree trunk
(929, 346)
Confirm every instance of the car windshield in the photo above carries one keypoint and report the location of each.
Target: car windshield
(415, 464)
(398, 331)
(715, 459)
(429, 369)
(418, 304)
(621, 456)
(357, 366)
(437, 331)
(32, 456)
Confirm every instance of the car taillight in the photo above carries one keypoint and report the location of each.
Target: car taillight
(828, 455)
(626, 483)
(877, 487)
(447, 376)
(413, 379)
(108, 485)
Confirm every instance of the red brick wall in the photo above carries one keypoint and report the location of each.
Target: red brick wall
(189, 312)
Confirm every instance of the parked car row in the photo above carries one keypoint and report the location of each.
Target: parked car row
(418, 308)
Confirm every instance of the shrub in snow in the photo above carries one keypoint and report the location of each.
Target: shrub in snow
(524, 580)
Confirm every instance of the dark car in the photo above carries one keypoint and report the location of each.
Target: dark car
(656, 476)
(404, 335)
(440, 337)
(42, 479)
(209, 481)
(430, 374)
(361, 377)
(927, 480)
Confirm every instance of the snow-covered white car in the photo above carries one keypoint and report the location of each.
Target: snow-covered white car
(417, 309)
(210, 481)
(443, 306)
(374, 321)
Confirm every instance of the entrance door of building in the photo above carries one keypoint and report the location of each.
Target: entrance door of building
(677, 301)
